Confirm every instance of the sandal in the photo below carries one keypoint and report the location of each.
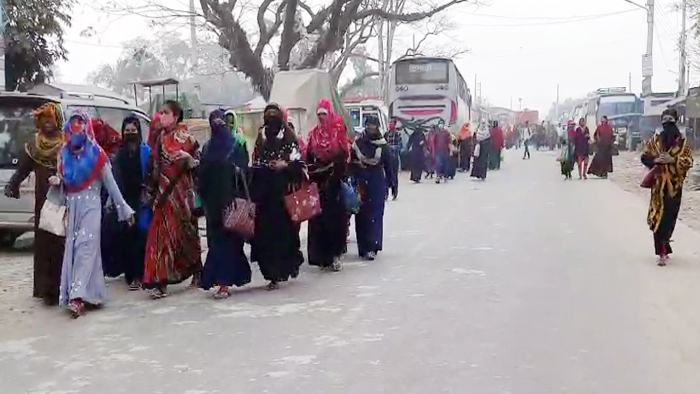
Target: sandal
(134, 286)
(222, 293)
(156, 293)
(76, 308)
(273, 286)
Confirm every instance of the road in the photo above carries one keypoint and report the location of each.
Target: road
(524, 283)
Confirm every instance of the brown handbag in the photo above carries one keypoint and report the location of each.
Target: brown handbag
(239, 217)
(650, 178)
(303, 204)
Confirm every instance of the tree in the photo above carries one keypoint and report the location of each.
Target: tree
(260, 47)
(34, 40)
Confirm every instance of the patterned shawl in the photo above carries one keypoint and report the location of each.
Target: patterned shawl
(329, 137)
(80, 170)
(44, 149)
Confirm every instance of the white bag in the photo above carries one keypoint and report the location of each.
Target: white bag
(53, 218)
(477, 150)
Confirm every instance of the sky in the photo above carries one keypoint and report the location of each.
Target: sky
(518, 49)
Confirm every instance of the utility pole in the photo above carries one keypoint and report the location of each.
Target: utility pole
(646, 83)
(682, 82)
(193, 37)
(556, 107)
(476, 93)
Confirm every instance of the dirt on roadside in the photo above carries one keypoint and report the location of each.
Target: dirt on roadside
(629, 171)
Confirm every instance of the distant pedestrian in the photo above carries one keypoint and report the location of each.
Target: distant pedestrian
(370, 163)
(482, 150)
(527, 138)
(669, 157)
(395, 143)
(497, 144)
(582, 148)
(441, 149)
(430, 158)
(466, 146)
(602, 163)
(566, 156)
(416, 154)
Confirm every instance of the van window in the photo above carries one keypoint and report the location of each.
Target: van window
(16, 127)
(112, 116)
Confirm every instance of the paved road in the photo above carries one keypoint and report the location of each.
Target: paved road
(520, 284)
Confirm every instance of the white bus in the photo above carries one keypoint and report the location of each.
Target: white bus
(424, 91)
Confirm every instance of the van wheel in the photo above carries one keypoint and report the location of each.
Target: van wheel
(7, 239)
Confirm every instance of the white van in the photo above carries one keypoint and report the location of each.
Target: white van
(17, 127)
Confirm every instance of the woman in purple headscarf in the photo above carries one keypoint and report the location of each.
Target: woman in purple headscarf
(83, 168)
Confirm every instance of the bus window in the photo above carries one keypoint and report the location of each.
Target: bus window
(423, 71)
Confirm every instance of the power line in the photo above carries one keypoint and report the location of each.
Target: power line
(556, 22)
(556, 18)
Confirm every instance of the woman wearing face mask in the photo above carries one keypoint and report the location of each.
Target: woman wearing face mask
(668, 154)
(84, 168)
(277, 167)
(370, 164)
(40, 156)
(327, 156)
(482, 152)
(173, 250)
(130, 169)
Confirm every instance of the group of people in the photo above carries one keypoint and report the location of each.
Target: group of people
(576, 149)
(133, 206)
(440, 154)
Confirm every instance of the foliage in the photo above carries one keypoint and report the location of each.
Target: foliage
(34, 40)
(289, 34)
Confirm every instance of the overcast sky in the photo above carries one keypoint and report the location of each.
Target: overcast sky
(519, 48)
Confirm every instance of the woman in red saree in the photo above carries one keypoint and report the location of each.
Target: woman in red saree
(173, 251)
(602, 162)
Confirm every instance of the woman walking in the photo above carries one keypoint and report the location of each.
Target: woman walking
(220, 181)
(173, 251)
(84, 168)
(582, 148)
(497, 144)
(602, 162)
(327, 156)
(566, 157)
(416, 152)
(482, 152)
(370, 162)
(466, 146)
(130, 173)
(669, 156)
(40, 156)
(277, 168)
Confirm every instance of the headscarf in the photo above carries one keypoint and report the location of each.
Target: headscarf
(221, 143)
(110, 140)
(329, 137)
(465, 133)
(670, 134)
(482, 132)
(233, 126)
(80, 171)
(44, 149)
(273, 136)
(129, 163)
(368, 148)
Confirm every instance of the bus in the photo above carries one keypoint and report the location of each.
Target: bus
(425, 91)
(622, 108)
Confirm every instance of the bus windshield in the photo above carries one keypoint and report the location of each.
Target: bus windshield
(617, 105)
(422, 71)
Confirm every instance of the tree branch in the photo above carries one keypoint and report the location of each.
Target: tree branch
(356, 82)
(289, 35)
(410, 17)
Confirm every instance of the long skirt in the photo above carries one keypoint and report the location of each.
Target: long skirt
(602, 162)
(226, 263)
(465, 154)
(452, 167)
(276, 241)
(392, 180)
(369, 222)
(417, 159)
(328, 232)
(48, 259)
(480, 165)
(662, 236)
(495, 159)
(110, 244)
(442, 161)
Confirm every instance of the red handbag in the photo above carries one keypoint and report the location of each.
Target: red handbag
(303, 204)
(650, 178)
(239, 217)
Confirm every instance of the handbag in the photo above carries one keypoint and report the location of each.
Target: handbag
(650, 178)
(53, 218)
(477, 150)
(303, 204)
(350, 196)
(239, 217)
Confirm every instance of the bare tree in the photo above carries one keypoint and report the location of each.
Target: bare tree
(259, 46)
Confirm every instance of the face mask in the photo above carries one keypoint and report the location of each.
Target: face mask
(167, 120)
(131, 137)
(77, 140)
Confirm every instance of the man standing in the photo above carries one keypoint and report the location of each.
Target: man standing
(526, 135)
(395, 142)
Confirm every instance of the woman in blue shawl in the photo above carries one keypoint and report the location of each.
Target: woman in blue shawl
(219, 176)
(83, 169)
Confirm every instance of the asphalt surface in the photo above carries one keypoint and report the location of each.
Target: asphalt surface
(523, 283)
